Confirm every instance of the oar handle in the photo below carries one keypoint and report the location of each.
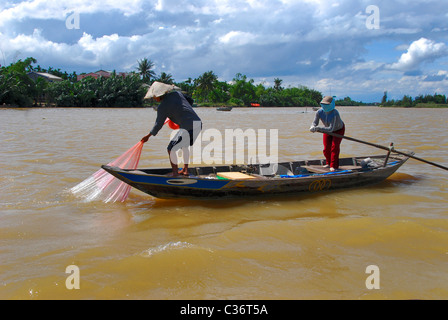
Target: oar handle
(388, 149)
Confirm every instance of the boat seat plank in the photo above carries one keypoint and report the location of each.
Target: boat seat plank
(350, 167)
(321, 169)
(235, 176)
(316, 169)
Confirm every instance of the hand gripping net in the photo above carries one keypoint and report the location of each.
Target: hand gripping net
(103, 186)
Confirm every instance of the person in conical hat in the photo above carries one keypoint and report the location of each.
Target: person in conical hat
(333, 123)
(159, 89)
(175, 106)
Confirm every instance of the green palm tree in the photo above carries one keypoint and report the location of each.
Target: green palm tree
(277, 84)
(205, 84)
(145, 69)
(15, 86)
(165, 78)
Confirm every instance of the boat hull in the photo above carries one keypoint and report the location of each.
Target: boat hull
(157, 183)
(224, 108)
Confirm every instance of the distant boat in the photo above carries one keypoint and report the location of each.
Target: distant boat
(224, 108)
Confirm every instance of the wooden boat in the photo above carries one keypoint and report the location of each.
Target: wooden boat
(237, 181)
(224, 108)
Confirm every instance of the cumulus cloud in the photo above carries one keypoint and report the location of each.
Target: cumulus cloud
(43, 9)
(440, 76)
(309, 42)
(419, 52)
(237, 38)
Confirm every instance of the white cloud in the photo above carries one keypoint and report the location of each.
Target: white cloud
(319, 43)
(44, 9)
(420, 51)
(205, 7)
(369, 66)
(87, 52)
(237, 38)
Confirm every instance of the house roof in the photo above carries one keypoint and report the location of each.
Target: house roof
(103, 71)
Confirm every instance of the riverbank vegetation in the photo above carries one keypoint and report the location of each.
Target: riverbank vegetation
(348, 102)
(421, 101)
(18, 89)
(118, 90)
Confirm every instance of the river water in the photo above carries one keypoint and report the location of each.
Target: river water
(303, 247)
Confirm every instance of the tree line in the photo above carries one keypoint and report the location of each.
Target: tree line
(348, 102)
(17, 88)
(436, 100)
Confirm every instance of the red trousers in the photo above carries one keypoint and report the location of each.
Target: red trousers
(332, 148)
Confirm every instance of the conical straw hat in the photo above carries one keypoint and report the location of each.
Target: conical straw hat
(159, 89)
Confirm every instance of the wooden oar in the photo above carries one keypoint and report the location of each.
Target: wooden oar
(388, 149)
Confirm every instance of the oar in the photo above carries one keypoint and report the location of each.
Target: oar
(388, 149)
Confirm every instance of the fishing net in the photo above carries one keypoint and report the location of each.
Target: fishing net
(103, 186)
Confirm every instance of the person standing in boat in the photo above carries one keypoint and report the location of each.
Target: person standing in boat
(175, 106)
(333, 123)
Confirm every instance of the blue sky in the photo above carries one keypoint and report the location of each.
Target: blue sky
(343, 48)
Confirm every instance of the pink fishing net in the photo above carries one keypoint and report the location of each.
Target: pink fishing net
(103, 186)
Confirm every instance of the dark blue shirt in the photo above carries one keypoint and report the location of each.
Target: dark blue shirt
(178, 109)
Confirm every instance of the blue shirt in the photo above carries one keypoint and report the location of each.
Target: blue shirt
(331, 120)
(178, 109)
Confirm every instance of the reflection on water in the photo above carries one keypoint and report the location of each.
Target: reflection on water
(312, 247)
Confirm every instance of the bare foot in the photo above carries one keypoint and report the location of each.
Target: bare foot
(184, 172)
